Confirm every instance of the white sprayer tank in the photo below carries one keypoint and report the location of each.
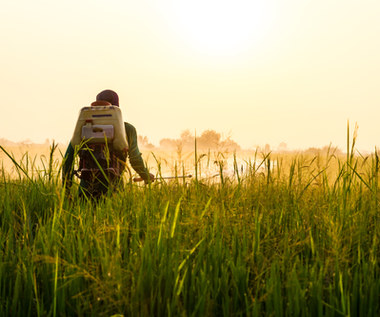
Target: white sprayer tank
(97, 123)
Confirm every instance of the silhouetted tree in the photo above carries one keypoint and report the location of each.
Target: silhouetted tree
(209, 139)
(230, 145)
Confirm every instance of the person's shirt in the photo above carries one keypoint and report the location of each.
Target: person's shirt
(134, 156)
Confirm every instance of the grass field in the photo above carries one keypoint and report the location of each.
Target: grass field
(287, 235)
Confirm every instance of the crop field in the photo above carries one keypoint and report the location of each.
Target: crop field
(249, 234)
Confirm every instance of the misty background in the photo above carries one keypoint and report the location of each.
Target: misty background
(260, 73)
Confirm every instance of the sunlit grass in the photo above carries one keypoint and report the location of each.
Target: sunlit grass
(286, 235)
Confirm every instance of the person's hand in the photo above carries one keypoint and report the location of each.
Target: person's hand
(151, 180)
(140, 179)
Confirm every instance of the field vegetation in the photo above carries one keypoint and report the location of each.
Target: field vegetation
(290, 234)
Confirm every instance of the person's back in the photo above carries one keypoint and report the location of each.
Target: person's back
(98, 169)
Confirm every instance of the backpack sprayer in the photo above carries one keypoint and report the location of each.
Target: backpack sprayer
(100, 133)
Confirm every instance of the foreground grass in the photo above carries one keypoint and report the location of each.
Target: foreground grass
(302, 239)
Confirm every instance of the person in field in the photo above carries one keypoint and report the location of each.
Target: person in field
(96, 187)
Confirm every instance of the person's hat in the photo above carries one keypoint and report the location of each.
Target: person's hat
(108, 95)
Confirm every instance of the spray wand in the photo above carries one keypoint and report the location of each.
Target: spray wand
(140, 179)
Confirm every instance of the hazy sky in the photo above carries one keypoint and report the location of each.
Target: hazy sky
(268, 71)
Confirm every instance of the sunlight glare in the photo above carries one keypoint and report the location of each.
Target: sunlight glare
(222, 27)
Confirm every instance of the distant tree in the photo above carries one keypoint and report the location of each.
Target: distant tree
(187, 140)
(230, 145)
(169, 144)
(187, 137)
(282, 147)
(5, 142)
(27, 142)
(144, 142)
(209, 139)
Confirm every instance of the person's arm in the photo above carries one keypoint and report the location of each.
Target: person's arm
(67, 167)
(134, 154)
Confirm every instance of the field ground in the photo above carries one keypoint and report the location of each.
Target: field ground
(248, 235)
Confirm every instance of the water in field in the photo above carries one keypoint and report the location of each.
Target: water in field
(210, 165)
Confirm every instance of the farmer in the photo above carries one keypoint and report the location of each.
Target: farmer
(95, 189)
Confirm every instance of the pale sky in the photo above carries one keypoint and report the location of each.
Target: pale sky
(268, 71)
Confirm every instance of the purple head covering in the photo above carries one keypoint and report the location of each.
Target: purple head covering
(108, 95)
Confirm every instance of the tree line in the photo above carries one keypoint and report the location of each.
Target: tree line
(209, 139)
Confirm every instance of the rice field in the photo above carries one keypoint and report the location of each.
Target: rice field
(275, 235)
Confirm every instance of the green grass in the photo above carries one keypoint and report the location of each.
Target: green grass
(300, 239)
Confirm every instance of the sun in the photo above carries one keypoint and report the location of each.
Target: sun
(222, 27)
